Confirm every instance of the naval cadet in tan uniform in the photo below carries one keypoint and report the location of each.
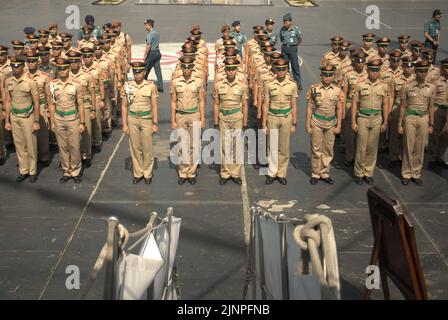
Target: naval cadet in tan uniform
(351, 79)
(369, 118)
(43, 82)
(22, 117)
(188, 112)
(323, 121)
(398, 81)
(230, 112)
(140, 116)
(87, 81)
(438, 140)
(279, 113)
(367, 42)
(416, 122)
(65, 101)
(403, 41)
(98, 75)
(335, 41)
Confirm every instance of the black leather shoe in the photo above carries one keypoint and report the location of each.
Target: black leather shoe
(269, 180)
(22, 177)
(328, 180)
(442, 164)
(181, 181)
(417, 181)
(64, 179)
(368, 180)
(148, 180)
(2, 162)
(77, 179)
(33, 178)
(358, 180)
(313, 180)
(136, 180)
(238, 181)
(348, 163)
(192, 180)
(107, 135)
(87, 163)
(282, 181)
(405, 182)
(223, 181)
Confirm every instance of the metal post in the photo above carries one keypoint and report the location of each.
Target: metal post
(260, 254)
(169, 216)
(111, 259)
(284, 261)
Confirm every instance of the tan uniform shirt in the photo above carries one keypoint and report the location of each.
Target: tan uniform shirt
(433, 74)
(21, 91)
(187, 92)
(281, 95)
(417, 96)
(371, 54)
(441, 97)
(96, 74)
(325, 101)
(351, 79)
(6, 69)
(385, 60)
(230, 97)
(370, 95)
(86, 81)
(65, 97)
(43, 81)
(328, 56)
(397, 84)
(139, 97)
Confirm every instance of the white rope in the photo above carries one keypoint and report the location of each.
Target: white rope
(317, 237)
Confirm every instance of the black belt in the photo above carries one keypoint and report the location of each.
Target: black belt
(289, 45)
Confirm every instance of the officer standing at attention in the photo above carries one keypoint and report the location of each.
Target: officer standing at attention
(152, 54)
(367, 42)
(416, 122)
(369, 117)
(22, 117)
(280, 113)
(43, 81)
(330, 55)
(438, 140)
(323, 121)
(139, 115)
(187, 111)
(291, 37)
(65, 101)
(230, 111)
(239, 37)
(432, 32)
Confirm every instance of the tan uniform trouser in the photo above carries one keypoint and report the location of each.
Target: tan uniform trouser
(107, 110)
(438, 140)
(86, 136)
(2, 137)
(322, 143)
(367, 145)
(97, 125)
(140, 142)
(43, 135)
(349, 135)
(395, 139)
(231, 167)
(278, 159)
(414, 140)
(186, 121)
(25, 141)
(68, 136)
